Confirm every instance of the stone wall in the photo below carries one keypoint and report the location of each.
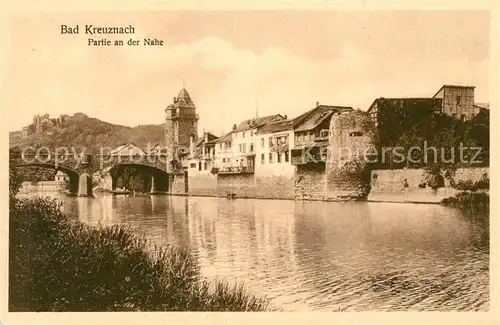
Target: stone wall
(310, 182)
(203, 184)
(177, 185)
(50, 186)
(351, 135)
(275, 187)
(242, 185)
(388, 185)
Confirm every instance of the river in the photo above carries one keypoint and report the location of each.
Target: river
(307, 256)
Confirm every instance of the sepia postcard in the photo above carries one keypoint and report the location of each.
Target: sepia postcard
(183, 163)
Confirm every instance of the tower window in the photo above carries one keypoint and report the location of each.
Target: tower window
(459, 100)
(262, 158)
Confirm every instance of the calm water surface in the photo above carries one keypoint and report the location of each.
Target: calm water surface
(308, 256)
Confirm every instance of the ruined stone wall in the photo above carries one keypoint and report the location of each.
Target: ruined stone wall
(310, 182)
(388, 185)
(351, 135)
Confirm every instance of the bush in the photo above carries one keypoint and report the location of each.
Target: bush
(470, 201)
(60, 264)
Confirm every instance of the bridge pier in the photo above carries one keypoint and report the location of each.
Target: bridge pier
(73, 184)
(153, 185)
(85, 185)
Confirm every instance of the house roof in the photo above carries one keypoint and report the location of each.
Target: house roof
(482, 105)
(278, 126)
(225, 138)
(316, 116)
(256, 122)
(250, 124)
(401, 98)
(124, 146)
(452, 86)
(211, 139)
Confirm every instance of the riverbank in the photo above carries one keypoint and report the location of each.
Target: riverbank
(61, 264)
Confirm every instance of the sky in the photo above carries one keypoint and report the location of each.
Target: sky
(235, 63)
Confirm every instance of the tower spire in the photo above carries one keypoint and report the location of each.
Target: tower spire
(183, 84)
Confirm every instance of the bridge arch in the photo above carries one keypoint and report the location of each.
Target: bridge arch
(159, 177)
(74, 176)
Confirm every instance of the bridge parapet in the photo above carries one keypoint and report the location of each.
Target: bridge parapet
(68, 162)
(154, 161)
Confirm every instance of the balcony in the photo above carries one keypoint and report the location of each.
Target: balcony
(314, 154)
(280, 147)
(234, 170)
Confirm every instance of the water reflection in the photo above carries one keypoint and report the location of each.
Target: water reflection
(318, 255)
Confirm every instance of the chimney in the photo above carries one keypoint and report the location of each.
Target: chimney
(206, 135)
(317, 104)
(234, 126)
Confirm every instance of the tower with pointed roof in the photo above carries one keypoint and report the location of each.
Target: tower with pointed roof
(181, 121)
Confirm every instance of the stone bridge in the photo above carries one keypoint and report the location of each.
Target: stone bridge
(81, 167)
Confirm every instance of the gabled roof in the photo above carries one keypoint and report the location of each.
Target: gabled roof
(402, 99)
(316, 116)
(125, 146)
(482, 105)
(225, 138)
(452, 86)
(256, 122)
(278, 126)
(210, 137)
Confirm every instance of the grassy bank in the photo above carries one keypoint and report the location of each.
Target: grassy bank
(474, 202)
(59, 264)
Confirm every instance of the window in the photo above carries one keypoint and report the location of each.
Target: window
(192, 165)
(223, 160)
(270, 142)
(262, 158)
(462, 117)
(243, 135)
(199, 165)
(286, 156)
(279, 157)
(262, 142)
(244, 147)
(270, 157)
(459, 100)
(205, 165)
(251, 147)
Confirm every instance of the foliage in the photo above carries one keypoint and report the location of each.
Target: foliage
(91, 134)
(469, 185)
(476, 202)
(15, 179)
(433, 178)
(60, 264)
(411, 123)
